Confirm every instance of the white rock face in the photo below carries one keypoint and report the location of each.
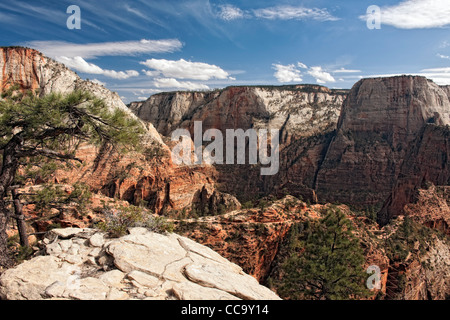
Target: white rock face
(302, 109)
(83, 264)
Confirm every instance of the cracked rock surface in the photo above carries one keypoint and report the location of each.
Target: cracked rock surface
(84, 264)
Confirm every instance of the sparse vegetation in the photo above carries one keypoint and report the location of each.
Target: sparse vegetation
(410, 236)
(119, 220)
(53, 127)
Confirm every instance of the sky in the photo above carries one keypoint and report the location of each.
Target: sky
(139, 48)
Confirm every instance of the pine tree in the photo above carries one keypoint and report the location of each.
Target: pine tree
(34, 127)
(330, 266)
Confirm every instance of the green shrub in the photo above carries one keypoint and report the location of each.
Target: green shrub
(325, 262)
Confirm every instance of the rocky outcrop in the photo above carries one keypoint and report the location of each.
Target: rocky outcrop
(426, 162)
(31, 70)
(355, 159)
(380, 120)
(297, 110)
(83, 264)
(148, 176)
(250, 238)
(431, 207)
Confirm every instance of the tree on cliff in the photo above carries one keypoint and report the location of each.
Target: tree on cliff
(33, 128)
(330, 266)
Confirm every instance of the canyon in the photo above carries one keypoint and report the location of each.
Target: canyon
(381, 147)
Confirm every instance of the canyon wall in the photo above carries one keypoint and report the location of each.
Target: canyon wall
(336, 146)
(149, 176)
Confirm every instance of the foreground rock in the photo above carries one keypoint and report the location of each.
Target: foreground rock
(83, 264)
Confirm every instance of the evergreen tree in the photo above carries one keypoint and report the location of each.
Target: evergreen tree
(330, 266)
(33, 128)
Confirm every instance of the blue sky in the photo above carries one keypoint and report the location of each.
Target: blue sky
(138, 48)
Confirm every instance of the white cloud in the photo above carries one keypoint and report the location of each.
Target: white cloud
(320, 75)
(287, 73)
(440, 76)
(416, 14)
(81, 65)
(343, 70)
(444, 44)
(292, 73)
(297, 13)
(229, 12)
(147, 91)
(438, 70)
(136, 12)
(175, 84)
(92, 50)
(182, 69)
(120, 74)
(443, 56)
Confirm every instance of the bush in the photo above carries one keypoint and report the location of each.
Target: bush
(118, 221)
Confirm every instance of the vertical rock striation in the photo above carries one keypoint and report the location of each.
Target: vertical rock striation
(380, 121)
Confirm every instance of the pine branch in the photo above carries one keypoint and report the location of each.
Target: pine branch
(51, 154)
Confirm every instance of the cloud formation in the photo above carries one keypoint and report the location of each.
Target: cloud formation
(93, 50)
(292, 73)
(174, 83)
(182, 69)
(343, 70)
(297, 13)
(288, 73)
(442, 56)
(229, 12)
(320, 75)
(81, 65)
(282, 12)
(416, 14)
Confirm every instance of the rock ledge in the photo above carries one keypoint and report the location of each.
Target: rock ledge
(83, 264)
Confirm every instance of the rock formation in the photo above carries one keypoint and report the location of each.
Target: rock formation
(300, 112)
(355, 159)
(133, 177)
(297, 110)
(376, 146)
(427, 161)
(250, 238)
(83, 264)
(379, 121)
(31, 70)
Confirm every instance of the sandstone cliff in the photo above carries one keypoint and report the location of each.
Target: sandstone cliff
(329, 153)
(304, 114)
(427, 161)
(297, 110)
(381, 144)
(379, 122)
(31, 70)
(149, 176)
